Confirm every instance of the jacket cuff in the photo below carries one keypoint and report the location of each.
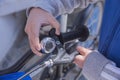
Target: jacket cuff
(46, 5)
(93, 66)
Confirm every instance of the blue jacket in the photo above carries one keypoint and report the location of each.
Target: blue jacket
(110, 31)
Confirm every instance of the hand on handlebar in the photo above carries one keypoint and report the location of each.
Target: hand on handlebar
(36, 19)
(80, 59)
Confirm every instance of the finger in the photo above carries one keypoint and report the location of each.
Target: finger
(81, 50)
(36, 52)
(36, 43)
(33, 49)
(79, 60)
(54, 23)
(34, 36)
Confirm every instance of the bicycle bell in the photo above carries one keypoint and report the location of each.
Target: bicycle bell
(48, 45)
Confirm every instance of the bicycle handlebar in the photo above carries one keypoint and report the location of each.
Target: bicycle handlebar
(81, 33)
(49, 43)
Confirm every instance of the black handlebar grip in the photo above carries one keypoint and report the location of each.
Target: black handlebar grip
(80, 33)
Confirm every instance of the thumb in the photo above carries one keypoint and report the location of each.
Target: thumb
(83, 51)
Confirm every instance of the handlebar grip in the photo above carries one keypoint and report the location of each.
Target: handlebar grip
(80, 33)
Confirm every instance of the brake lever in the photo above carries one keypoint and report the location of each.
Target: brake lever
(64, 57)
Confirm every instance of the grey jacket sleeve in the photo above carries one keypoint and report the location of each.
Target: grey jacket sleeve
(97, 67)
(58, 7)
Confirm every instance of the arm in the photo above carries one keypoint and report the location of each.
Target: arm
(97, 67)
(58, 7)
